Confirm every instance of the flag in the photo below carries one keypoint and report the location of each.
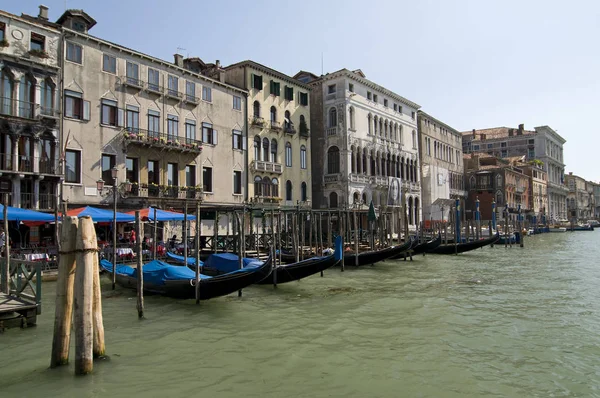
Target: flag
(371, 216)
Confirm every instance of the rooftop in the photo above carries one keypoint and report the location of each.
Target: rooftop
(498, 132)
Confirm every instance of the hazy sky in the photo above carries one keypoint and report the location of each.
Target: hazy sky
(471, 64)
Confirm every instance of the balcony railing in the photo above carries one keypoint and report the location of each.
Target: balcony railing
(174, 94)
(331, 131)
(275, 125)
(13, 107)
(27, 164)
(162, 191)
(6, 161)
(47, 165)
(328, 178)
(49, 112)
(484, 187)
(190, 99)
(154, 88)
(47, 201)
(131, 81)
(269, 167)
(381, 180)
(361, 178)
(160, 140)
(258, 121)
(289, 129)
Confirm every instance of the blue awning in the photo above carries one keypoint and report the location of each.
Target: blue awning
(18, 214)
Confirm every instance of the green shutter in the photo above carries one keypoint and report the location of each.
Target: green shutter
(291, 93)
(272, 87)
(252, 80)
(278, 86)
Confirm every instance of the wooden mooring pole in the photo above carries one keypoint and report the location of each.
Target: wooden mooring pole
(63, 314)
(140, 263)
(6, 273)
(197, 252)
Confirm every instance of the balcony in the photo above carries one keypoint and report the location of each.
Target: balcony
(47, 202)
(275, 125)
(258, 121)
(379, 180)
(27, 164)
(164, 141)
(190, 99)
(304, 131)
(132, 82)
(484, 187)
(173, 94)
(359, 178)
(12, 107)
(331, 178)
(289, 128)
(267, 167)
(154, 88)
(331, 131)
(49, 112)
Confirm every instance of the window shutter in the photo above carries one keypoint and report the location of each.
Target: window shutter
(233, 139)
(272, 87)
(243, 138)
(252, 80)
(120, 117)
(214, 135)
(86, 110)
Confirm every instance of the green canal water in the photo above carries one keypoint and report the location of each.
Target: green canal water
(494, 322)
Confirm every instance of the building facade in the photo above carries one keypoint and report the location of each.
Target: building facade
(172, 133)
(30, 78)
(549, 149)
(366, 145)
(538, 189)
(279, 112)
(442, 169)
(580, 199)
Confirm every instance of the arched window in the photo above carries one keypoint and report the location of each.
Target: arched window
(303, 157)
(499, 198)
(402, 175)
(385, 131)
(258, 186)
(256, 148)
(287, 122)
(373, 162)
(410, 211)
(256, 108)
(353, 160)
(351, 117)
(288, 190)
(6, 93)
(364, 198)
(414, 139)
(375, 119)
(47, 97)
(498, 181)
(333, 200)
(26, 97)
(380, 127)
(472, 182)
(266, 186)
(401, 137)
(275, 187)
(288, 154)
(273, 114)
(333, 160)
(332, 118)
(274, 150)
(369, 120)
(303, 192)
(416, 210)
(265, 144)
(364, 162)
(303, 126)
(355, 198)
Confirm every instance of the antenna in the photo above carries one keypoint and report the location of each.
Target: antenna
(180, 48)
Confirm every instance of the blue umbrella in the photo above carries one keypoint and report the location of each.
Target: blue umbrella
(100, 215)
(147, 214)
(18, 214)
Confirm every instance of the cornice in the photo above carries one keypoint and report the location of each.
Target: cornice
(428, 116)
(269, 71)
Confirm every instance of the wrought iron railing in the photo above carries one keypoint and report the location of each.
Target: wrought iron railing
(190, 99)
(12, 107)
(155, 138)
(132, 81)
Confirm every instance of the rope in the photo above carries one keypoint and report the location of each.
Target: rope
(79, 251)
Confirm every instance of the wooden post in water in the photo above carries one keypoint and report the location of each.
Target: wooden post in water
(184, 234)
(311, 222)
(242, 239)
(63, 313)
(197, 252)
(99, 348)
(356, 235)
(6, 273)
(490, 229)
(86, 246)
(140, 261)
(227, 232)
(155, 235)
(216, 232)
(320, 233)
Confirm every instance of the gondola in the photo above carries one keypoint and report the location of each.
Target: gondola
(422, 247)
(180, 282)
(464, 247)
(296, 271)
(176, 258)
(375, 256)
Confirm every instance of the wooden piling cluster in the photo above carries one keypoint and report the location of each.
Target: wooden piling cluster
(78, 297)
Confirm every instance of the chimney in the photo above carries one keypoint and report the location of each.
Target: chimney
(473, 133)
(178, 60)
(521, 129)
(510, 132)
(570, 173)
(43, 12)
(218, 64)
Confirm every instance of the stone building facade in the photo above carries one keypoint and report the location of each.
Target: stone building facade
(279, 112)
(580, 199)
(30, 78)
(365, 144)
(549, 149)
(172, 132)
(442, 169)
(538, 189)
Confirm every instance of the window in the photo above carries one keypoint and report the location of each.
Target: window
(503, 145)
(504, 153)
(47, 97)
(2, 31)
(374, 97)
(237, 182)
(133, 118)
(303, 157)
(110, 114)
(153, 79)
(304, 99)
(333, 160)
(206, 94)
(475, 147)
(257, 82)
(172, 127)
(351, 87)
(531, 153)
(288, 190)
(74, 53)
(190, 91)
(289, 93)
(258, 186)
(331, 89)
(190, 131)
(153, 123)
(490, 146)
(273, 151)
(72, 166)
(351, 117)
(275, 88)
(303, 192)
(399, 109)
(332, 118)
(75, 106)
(109, 64)
(333, 200)
(265, 146)
(172, 174)
(273, 114)
(209, 135)
(38, 43)
(288, 154)
(190, 176)
(237, 103)
(256, 109)
(303, 127)
(153, 173)
(385, 102)
(107, 164)
(207, 184)
(238, 140)
(275, 187)
(78, 26)
(531, 142)
(395, 107)
(369, 95)
(287, 122)
(133, 76)
(131, 169)
(173, 86)
(412, 114)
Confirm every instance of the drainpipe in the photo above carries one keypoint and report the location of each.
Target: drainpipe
(246, 164)
(61, 123)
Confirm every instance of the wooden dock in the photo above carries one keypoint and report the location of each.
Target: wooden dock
(21, 307)
(16, 312)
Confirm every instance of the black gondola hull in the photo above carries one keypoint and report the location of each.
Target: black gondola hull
(373, 257)
(297, 271)
(464, 247)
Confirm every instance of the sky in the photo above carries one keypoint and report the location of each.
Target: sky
(469, 63)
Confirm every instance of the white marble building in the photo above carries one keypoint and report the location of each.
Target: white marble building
(549, 149)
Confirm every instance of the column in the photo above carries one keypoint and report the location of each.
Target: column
(36, 194)
(15, 152)
(16, 191)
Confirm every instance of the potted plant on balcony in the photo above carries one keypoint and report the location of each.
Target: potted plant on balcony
(38, 53)
(140, 136)
(3, 43)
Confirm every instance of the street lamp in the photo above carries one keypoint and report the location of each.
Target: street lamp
(127, 188)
